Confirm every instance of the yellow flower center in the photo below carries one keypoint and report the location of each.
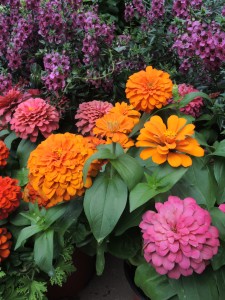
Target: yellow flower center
(58, 152)
(170, 136)
(30, 108)
(113, 126)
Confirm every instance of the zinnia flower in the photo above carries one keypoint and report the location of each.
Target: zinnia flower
(8, 104)
(114, 127)
(149, 89)
(5, 244)
(33, 116)
(193, 108)
(55, 167)
(170, 143)
(10, 194)
(30, 195)
(127, 110)
(88, 113)
(4, 153)
(222, 207)
(178, 238)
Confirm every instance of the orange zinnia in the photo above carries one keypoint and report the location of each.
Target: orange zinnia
(114, 127)
(5, 243)
(30, 195)
(170, 143)
(149, 89)
(55, 167)
(127, 110)
(4, 153)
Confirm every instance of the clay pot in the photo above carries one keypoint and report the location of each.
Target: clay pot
(77, 281)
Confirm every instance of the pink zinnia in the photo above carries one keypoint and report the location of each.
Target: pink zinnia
(88, 113)
(178, 238)
(193, 108)
(8, 104)
(33, 116)
(222, 207)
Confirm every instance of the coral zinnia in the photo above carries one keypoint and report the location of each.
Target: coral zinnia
(88, 113)
(34, 116)
(5, 244)
(178, 238)
(149, 89)
(114, 127)
(10, 194)
(127, 110)
(4, 153)
(170, 143)
(30, 195)
(55, 167)
(8, 104)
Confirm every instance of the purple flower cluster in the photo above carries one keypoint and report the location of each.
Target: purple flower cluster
(4, 33)
(32, 4)
(95, 32)
(5, 83)
(181, 7)
(140, 8)
(206, 41)
(57, 67)
(157, 11)
(128, 12)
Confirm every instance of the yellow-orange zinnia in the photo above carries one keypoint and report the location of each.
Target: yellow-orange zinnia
(170, 143)
(56, 165)
(149, 89)
(115, 127)
(127, 110)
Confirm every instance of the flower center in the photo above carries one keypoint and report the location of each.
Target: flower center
(58, 152)
(113, 126)
(169, 136)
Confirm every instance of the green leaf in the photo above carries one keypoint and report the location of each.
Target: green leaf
(219, 259)
(43, 252)
(162, 180)
(219, 149)
(19, 220)
(154, 285)
(26, 233)
(219, 171)
(100, 258)
(104, 203)
(129, 169)
(23, 151)
(218, 220)
(21, 175)
(111, 151)
(196, 286)
(53, 213)
(198, 183)
(4, 132)
(9, 139)
(191, 96)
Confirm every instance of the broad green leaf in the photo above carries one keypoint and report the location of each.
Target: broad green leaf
(127, 245)
(111, 151)
(219, 259)
(191, 96)
(4, 132)
(100, 258)
(53, 213)
(162, 180)
(219, 149)
(218, 220)
(43, 251)
(21, 175)
(196, 286)
(9, 139)
(19, 220)
(198, 183)
(219, 276)
(219, 171)
(26, 233)
(201, 139)
(23, 151)
(154, 285)
(104, 203)
(129, 169)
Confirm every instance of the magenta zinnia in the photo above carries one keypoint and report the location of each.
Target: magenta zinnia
(179, 238)
(33, 116)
